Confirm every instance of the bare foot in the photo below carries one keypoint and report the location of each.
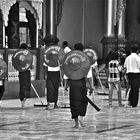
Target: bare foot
(82, 124)
(76, 126)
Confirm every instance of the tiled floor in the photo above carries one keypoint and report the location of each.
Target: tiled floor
(36, 123)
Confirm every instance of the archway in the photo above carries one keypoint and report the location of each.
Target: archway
(22, 25)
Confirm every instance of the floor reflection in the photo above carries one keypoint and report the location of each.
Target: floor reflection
(36, 123)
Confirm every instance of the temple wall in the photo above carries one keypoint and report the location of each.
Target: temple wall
(133, 20)
(88, 31)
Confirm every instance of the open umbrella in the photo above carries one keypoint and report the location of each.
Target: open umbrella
(76, 65)
(91, 54)
(52, 55)
(22, 60)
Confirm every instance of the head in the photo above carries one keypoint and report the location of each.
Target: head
(134, 48)
(79, 46)
(115, 55)
(65, 44)
(23, 46)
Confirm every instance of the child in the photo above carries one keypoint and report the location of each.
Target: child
(114, 69)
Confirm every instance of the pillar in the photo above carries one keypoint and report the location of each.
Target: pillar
(121, 40)
(51, 22)
(109, 40)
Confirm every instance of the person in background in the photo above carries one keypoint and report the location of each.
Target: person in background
(78, 92)
(2, 88)
(52, 76)
(66, 47)
(132, 65)
(66, 50)
(90, 77)
(114, 69)
(24, 81)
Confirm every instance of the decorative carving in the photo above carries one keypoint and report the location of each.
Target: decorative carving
(5, 6)
(121, 5)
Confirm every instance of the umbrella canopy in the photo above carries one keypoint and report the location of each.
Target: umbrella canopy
(22, 60)
(91, 54)
(3, 69)
(53, 55)
(76, 65)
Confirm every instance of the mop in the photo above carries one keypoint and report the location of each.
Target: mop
(38, 105)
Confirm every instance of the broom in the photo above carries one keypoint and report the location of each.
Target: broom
(101, 93)
(38, 105)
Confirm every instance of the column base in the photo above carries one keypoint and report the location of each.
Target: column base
(109, 43)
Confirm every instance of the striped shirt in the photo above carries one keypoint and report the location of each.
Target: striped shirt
(114, 71)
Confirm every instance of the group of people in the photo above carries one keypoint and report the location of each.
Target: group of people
(78, 88)
(127, 69)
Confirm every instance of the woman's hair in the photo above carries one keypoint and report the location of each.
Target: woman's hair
(79, 46)
(114, 55)
(24, 46)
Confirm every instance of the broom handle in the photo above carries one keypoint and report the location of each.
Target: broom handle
(61, 77)
(36, 93)
(92, 104)
(100, 81)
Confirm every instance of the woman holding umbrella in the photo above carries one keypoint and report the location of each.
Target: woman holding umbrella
(76, 66)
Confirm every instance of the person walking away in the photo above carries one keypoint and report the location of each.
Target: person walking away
(132, 65)
(114, 69)
(24, 82)
(53, 76)
(78, 92)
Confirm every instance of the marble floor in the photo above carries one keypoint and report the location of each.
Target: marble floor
(36, 123)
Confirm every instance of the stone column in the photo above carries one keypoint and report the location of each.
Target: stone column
(121, 23)
(109, 40)
(51, 22)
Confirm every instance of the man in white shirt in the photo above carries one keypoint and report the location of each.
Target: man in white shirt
(52, 84)
(132, 65)
(66, 47)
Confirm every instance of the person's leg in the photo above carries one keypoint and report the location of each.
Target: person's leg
(134, 92)
(110, 92)
(118, 87)
(135, 95)
(1, 92)
(81, 121)
(76, 122)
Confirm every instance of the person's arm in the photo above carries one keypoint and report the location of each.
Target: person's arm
(45, 70)
(101, 67)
